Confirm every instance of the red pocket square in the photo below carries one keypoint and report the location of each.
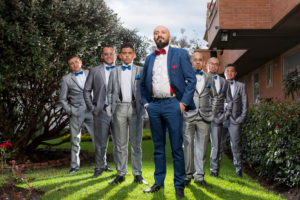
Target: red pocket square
(174, 67)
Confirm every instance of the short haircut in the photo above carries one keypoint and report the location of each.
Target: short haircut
(230, 65)
(106, 46)
(127, 45)
(72, 56)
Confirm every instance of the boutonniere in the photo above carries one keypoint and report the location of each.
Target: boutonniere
(224, 91)
(239, 94)
(174, 67)
(137, 77)
(208, 85)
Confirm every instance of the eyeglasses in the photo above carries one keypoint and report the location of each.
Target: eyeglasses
(108, 54)
(195, 60)
(213, 64)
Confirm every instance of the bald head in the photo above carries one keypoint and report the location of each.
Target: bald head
(161, 36)
(162, 28)
(197, 60)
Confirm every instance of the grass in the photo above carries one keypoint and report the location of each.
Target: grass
(58, 184)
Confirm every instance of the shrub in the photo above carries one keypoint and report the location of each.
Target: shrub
(271, 141)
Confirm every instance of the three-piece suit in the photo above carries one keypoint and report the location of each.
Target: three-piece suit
(197, 126)
(127, 113)
(71, 99)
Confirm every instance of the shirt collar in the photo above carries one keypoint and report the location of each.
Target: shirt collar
(166, 49)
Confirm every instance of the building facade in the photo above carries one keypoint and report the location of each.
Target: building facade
(262, 37)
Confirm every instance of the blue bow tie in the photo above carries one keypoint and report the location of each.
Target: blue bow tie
(231, 82)
(78, 73)
(215, 77)
(199, 72)
(108, 68)
(126, 67)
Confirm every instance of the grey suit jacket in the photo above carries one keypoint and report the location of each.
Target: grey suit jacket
(114, 88)
(71, 94)
(239, 104)
(95, 83)
(205, 101)
(224, 95)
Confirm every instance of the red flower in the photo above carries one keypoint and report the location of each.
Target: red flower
(12, 162)
(5, 144)
(174, 67)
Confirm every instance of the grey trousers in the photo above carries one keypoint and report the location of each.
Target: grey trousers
(102, 125)
(127, 126)
(235, 142)
(84, 118)
(215, 138)
(195, 140)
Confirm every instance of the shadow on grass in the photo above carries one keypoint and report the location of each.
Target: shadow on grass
(57, 191)
(123, 191)
(220, 192)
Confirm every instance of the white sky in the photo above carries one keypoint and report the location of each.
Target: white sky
(145, 15)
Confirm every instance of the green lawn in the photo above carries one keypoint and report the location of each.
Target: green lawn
(58, 184)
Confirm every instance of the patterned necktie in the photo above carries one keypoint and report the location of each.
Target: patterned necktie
(78, 73)
(199, 72)
(126, 67)
(158, 52)
(109, 68)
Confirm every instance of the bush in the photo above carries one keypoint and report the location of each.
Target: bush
(271, 141)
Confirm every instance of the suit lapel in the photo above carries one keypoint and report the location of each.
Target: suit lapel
(73, 77)
(204, 83)
(119, 76)
(170, 53)
(222, 84)
(102, 72)
(236, 88)
(133, 75)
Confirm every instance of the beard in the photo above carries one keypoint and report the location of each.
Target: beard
(161, 44)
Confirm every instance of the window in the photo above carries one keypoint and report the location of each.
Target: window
(291, 63)
(255, 88)
(270, 74)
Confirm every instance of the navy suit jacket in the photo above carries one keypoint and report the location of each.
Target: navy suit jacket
(181, 74)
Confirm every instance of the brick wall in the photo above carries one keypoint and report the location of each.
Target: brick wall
(280, 8)
(276, 89)
(246, 14)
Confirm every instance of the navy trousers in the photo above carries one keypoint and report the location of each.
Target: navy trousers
(164, 114)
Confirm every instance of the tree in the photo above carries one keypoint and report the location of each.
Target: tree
(36, 37)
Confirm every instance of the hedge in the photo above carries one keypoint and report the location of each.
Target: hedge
(271, 141)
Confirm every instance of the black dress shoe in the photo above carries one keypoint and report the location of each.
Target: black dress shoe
(108, 169)
(215, 174)
(179, 193)
(187, 182)
(239, 174)
(73, 170)
(139, 179)
(153, 189)
(117, 180)
(97, 173)
(202, 182)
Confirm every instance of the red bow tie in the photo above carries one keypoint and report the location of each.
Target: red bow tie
(162, 51)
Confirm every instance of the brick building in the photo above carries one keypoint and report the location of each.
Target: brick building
(262, 37)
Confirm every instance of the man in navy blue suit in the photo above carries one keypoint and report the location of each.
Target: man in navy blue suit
(167, 89)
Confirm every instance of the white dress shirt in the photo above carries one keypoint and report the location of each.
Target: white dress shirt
(217, 83)
(232, 88)
(200, 83)
(126, 84)
(160, 76)
(81, 78)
